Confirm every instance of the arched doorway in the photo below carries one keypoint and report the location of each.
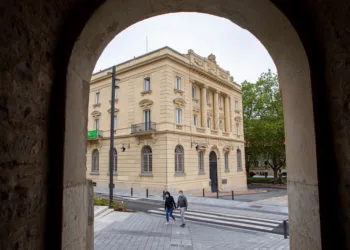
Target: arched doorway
(213, 168)
(273, 29)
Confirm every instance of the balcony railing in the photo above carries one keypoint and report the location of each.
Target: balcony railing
(143, 127)
(94, 134)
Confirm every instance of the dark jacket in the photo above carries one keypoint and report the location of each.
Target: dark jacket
(169, 202)
(182, 201)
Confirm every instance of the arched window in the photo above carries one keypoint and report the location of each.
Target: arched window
(146, 159)
(95, 161)
(115, 161)
(239, 160)
(201, 161)
(179, 159)
(226, 161)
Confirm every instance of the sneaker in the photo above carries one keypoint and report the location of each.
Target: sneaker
(182, 225)
(166, 223)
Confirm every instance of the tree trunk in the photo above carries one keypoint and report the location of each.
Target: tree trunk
(275, 173)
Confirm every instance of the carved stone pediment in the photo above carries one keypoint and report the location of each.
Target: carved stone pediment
(96, 114)
(238, 118)
(201, 147)
(115, 110)
(226, 149)
(179, 102)
(196, 110)
(146, 104)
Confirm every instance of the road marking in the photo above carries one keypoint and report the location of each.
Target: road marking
(231, 219)
(218, 221)
(230, 215)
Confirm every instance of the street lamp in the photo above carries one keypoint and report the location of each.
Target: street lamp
(111, 150)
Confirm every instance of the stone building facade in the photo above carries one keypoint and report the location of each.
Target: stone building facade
(178, 125)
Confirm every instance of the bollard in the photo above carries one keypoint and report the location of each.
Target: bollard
(147, 192)
(203, 192)
(132, 192)
(285, 229)
(233, 197)
(217, 194)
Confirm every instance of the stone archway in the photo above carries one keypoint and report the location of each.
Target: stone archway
(275, 32)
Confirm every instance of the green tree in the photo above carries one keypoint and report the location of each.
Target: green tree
(263, 122)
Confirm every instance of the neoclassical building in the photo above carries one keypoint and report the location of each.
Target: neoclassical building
(178, 125)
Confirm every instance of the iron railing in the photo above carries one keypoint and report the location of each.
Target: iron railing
(143, 127)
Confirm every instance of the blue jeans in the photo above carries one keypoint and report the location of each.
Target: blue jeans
(167, 212)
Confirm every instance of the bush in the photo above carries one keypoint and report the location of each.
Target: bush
(99, 201)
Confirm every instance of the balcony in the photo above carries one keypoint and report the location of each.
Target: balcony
(146, 127)
(94, 134)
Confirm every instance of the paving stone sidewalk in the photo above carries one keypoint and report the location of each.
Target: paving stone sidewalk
(144, 231)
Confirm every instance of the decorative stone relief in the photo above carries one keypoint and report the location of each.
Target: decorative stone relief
(115, 111)
(96, 114)
(198, 62)
(179, 102)
(146, 104)
(226, 149)
(238, 118)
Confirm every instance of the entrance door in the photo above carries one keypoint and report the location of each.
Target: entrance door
(213, 171)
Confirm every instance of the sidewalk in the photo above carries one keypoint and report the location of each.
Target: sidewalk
(263, 205)
(144, 231)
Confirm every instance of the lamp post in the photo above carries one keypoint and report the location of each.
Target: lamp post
(111, 150)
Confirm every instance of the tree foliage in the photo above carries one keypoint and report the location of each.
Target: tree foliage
(263, 122)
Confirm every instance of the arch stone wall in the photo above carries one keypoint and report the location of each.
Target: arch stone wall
(49, 49)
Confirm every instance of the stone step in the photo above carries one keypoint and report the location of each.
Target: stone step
(106, 212)
(99, 210)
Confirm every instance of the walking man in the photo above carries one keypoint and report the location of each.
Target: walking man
(169, 206)
(182, 204)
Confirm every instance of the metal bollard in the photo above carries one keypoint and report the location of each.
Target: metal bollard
(147, 192)
(285, 229)
(203, 192)
(132, 192)
(217, 194)
(233, 197)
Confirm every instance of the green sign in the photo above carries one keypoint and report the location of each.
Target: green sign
(92, 134)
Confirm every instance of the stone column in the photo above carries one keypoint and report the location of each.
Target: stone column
(227, 114)
(216, 110)
(204, 106)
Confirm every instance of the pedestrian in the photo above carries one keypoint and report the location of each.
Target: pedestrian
(169, 206)
(182, 203)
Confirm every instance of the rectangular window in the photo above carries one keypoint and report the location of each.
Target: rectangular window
(115, 122)
(195, 122)
(178, 83)
(96, 124)
(226, 161)
(147, 84)
(201, 161)
(236, 105)
(209, 123)
(219, 100)
(207, 96)
(220, 124)
(147, 119)
(237, 128)
(97, 99)
(194, 92)
(178, 116)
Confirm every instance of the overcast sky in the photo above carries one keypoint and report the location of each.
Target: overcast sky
(236, 49)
